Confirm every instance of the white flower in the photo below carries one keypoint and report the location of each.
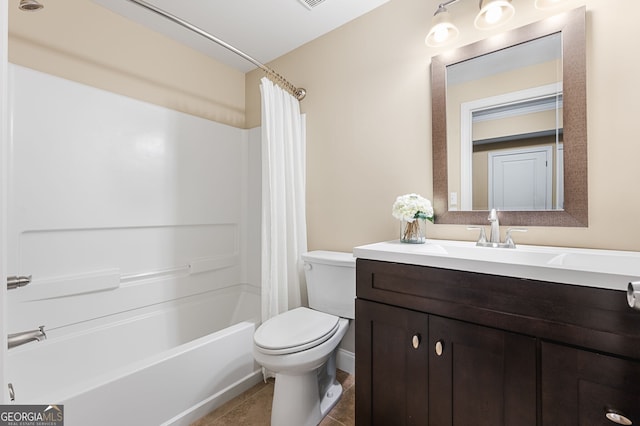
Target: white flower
(412, 206)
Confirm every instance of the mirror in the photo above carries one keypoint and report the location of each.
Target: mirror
(509, 127)
(504, 128)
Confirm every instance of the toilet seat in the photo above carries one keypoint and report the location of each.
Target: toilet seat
(294, 331)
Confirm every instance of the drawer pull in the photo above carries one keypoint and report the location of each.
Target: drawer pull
(618, 418)
(633, 295)
(439, 347)
(415, 341)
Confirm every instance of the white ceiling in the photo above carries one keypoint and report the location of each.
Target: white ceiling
(263, 29)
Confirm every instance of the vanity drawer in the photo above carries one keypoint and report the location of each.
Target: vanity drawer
(590, 317)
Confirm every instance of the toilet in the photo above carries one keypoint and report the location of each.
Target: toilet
(300, 345)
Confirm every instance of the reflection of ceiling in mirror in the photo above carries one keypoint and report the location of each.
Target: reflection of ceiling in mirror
(533, 52)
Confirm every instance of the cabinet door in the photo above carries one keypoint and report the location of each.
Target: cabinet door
(391, 365)
(581, 388)
(480, 376)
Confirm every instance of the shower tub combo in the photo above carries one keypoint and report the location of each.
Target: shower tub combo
(168, 365)
(131, 219)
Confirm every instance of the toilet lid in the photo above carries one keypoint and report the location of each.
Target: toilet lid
(295, 330)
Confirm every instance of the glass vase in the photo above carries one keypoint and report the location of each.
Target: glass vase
(413, 232)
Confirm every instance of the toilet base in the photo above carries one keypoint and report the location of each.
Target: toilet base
(306, 388)
(296, 400)
(331, 398)
(330, 389)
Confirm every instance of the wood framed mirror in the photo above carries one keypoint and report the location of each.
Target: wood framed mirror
(452, 132)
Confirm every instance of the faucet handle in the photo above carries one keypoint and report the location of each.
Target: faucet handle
(482, 238)
(508, 239)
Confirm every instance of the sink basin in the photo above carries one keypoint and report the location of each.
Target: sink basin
(501, 255)
(588, 267)
(620, 263)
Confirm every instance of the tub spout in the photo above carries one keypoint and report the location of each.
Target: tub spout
(18, 339)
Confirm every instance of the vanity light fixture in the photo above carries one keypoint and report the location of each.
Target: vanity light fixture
(492, 13)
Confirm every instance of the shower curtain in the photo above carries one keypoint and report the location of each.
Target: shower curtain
(284, 231)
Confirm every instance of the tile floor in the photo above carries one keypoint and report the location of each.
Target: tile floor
(253, 407)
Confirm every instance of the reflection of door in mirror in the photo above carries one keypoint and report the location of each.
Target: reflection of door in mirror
(507, 100)
(533, 157)
(519, 179)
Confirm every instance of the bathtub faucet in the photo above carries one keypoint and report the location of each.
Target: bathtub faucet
(18, 339)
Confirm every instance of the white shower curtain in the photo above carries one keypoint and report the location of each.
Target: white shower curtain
(284, 230)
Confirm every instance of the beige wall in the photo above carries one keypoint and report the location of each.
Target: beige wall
(82, 41)
(368, 105)
(369, 126)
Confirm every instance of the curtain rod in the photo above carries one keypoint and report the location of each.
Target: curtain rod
(298, 92)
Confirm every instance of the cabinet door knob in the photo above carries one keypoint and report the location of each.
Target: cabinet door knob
(415, 341)
(617, 418)
(439, 347)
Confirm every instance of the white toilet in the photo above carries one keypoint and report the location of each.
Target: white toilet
(300, 345)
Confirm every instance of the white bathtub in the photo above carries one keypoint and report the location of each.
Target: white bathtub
(165, 364)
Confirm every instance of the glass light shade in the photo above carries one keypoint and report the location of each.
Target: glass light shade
(493, 13)
(442, 30)
(547, 4)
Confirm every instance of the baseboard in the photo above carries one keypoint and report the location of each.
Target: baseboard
(346, 361)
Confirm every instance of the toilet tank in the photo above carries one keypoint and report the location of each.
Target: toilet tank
(331, 282)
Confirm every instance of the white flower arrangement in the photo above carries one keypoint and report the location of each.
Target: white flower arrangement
(410, 207)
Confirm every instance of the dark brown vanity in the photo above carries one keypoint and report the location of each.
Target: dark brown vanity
(439, 346)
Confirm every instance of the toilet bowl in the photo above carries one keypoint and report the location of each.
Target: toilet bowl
(300, 345)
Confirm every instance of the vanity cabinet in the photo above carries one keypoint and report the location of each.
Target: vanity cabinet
(600, 385)
(397, 365)
(445, 347)
(480, 375)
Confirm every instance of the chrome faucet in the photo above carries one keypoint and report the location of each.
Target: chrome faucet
(508, 239)
(18, 339)
(494, 235)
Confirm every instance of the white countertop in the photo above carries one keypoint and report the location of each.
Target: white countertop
(609, 269)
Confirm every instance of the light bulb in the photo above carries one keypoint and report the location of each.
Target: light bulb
(440, 33)
(493, 15)
(442, 30)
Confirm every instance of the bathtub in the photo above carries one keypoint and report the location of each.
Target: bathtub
(161, 365)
